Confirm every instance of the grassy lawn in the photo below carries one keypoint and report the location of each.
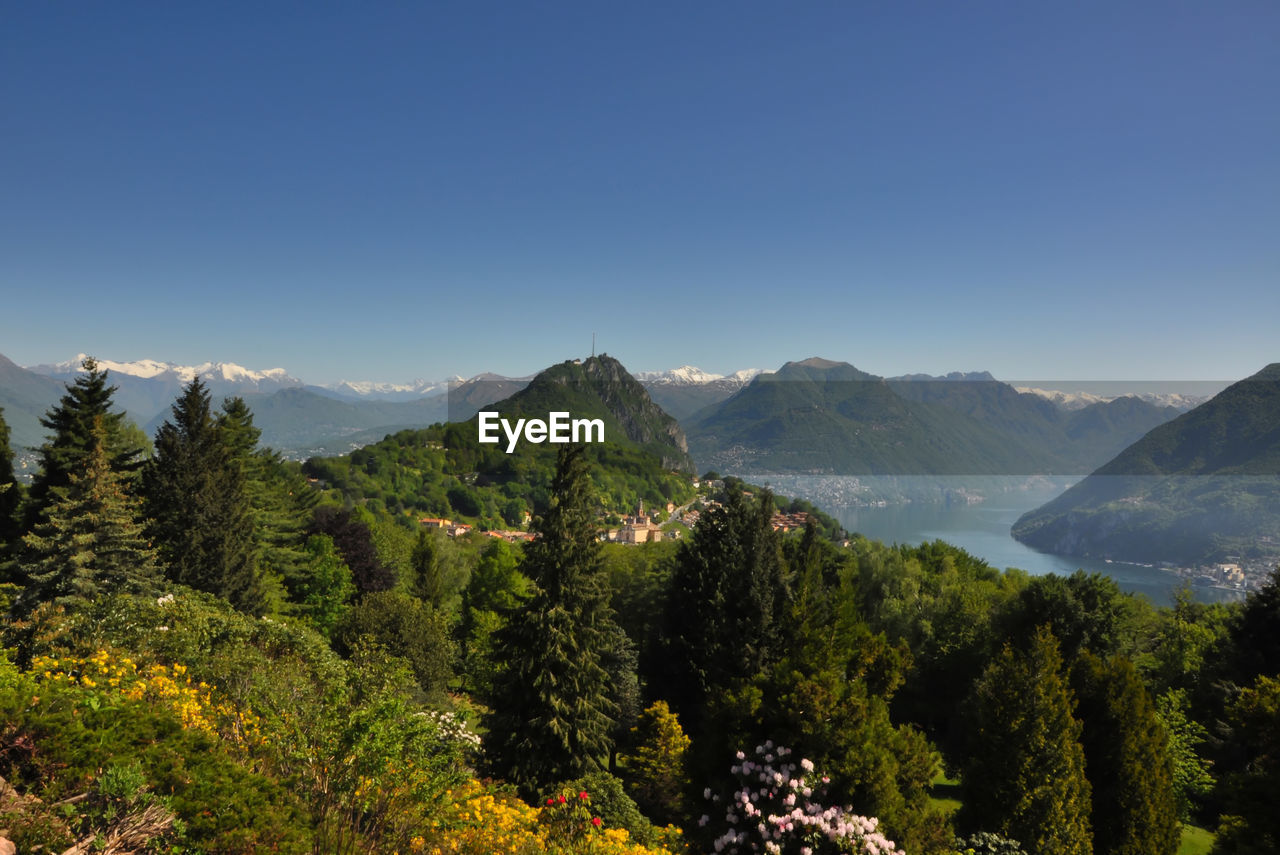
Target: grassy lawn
(945, 794)
(1195, 841)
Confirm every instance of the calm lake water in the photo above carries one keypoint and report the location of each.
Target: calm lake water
(982, 529)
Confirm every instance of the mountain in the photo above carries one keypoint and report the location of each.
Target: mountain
(210, 372)
(600, 387)
(147, 388)
(1079, 400)
(296, 420)
(445, 471)
(471, 396)
(685, 390)
(1066, 441)
(358, 390)
(823, 417)
(820, 416)
(26, 396)
(1201, 487)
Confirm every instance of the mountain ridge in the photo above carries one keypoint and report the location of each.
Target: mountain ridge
(1203, 486)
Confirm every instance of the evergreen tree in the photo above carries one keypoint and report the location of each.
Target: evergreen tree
(722, 621)
(551, 708)
(280, 499)
(10, 500)
(827, 697)
(654, 770)
(91, 541)
(1251, 823)
(1255, 635)
(427, 584)
(200, 517)
(328, 586)
(1024, 774)
(494, 591)
(70, 423)
(1127, 760)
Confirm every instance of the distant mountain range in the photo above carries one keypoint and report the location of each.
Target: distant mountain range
(685, 390)
(1205, 486)
(301, 419)
(823, 417)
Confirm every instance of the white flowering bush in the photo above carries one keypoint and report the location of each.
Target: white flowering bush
(777, 808)
(454, 729)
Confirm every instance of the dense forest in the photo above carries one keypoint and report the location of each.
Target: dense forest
(209, 649)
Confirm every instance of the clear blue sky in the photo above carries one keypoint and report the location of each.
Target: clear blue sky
(383, 191)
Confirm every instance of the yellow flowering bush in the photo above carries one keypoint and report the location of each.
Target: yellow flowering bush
(476, 820)
(166, 686)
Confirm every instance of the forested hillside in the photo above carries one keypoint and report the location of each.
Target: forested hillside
(817, 416)
(205, 651)
(1203, 487)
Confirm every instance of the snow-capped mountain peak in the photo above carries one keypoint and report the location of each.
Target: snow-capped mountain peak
(391, 391)
(689, 375)
(148, 369)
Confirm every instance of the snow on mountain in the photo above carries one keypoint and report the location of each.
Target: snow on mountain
(689, 375)
(149, 369)
(419, 388)
(1080, 400)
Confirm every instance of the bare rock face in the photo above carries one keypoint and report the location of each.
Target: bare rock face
(8, 847)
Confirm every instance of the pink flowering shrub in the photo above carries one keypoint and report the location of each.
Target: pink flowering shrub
(777, 809)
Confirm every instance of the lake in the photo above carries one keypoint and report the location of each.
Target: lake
(981, 528)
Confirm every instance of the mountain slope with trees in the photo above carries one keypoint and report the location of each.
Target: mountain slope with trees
(824, 417)
(1199, 488)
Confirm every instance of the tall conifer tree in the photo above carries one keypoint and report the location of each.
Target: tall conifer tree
(551, 706)
(91, 541)
(70, 423)
(724, 614)
(1126, 757)
(195, 499)
(1024, 775)
(10, 499)
(280, 501)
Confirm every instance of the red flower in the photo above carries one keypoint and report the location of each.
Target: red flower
(561, 800)
(583, 795)
(595, 820)
(550, 800)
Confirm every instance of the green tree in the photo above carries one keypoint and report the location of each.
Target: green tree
(406, 627)
(551, 708)
(90, 542)
(280, 500)
(200, 516)
(828, 698)
(1191, 777)
(70, 424)
(1255, 641)
(424, 569)
(496, 588)
(1023, 777)
(10, 499)
(354, 540)
(722, 621)
(1252, 823)
(1085, 611)
(655, 773)
(327, 587)
(1134, 809)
